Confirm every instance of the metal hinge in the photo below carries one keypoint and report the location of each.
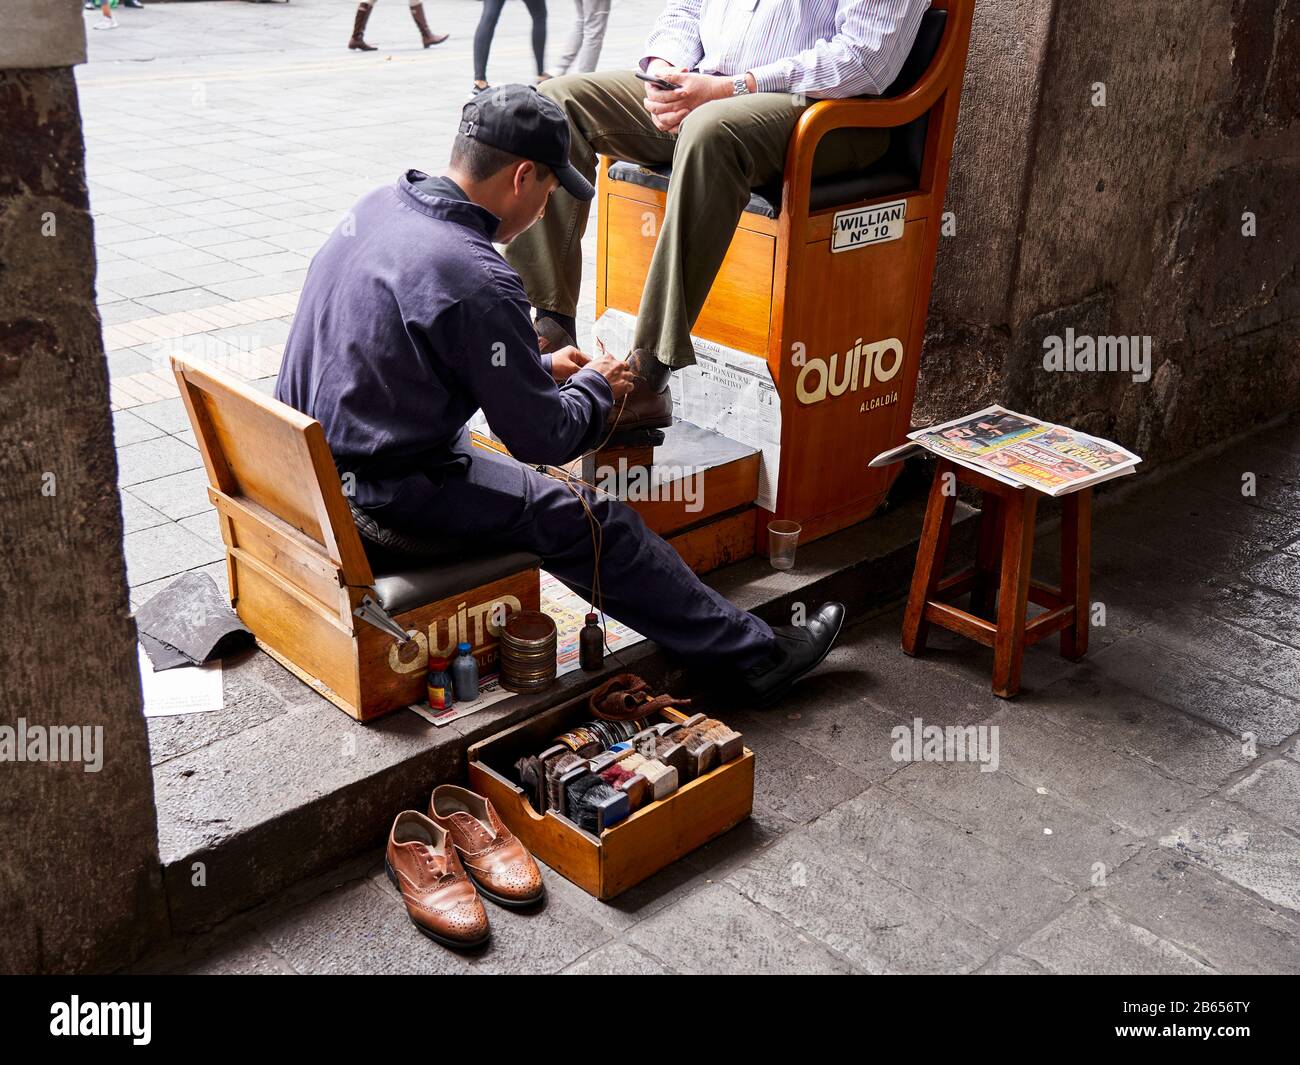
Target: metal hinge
(369, 611)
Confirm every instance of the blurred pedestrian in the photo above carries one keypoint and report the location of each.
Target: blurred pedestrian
(358, 41)
(107, 22)
(586, 37)
(487, 25)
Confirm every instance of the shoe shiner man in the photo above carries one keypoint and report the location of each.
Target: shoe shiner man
(410, 321)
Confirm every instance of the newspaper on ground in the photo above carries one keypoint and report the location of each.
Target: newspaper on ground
(726, 391)
(1020, 451)
(489, 692)
(570, 613)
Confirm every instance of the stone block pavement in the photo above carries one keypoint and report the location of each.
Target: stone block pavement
(1145, 813)
(225, 140)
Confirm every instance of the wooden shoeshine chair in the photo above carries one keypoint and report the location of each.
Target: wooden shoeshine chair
(838, 315)
(299, 575)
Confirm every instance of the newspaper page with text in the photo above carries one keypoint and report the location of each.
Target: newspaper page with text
(1019, 450)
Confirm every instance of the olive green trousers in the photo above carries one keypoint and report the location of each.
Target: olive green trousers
(719, 153)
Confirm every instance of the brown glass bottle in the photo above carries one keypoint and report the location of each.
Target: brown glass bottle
(591, 645)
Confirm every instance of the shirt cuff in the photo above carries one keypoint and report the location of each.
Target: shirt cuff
(661, 47)
(772, 77)
(547, 362)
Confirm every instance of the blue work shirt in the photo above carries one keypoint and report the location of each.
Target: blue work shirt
(410, 321)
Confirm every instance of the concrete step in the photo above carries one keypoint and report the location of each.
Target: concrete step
(281, 785)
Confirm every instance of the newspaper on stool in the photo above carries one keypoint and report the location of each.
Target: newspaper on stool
(1020, 451)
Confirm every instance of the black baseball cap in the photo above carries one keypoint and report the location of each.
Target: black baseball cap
(520, 120)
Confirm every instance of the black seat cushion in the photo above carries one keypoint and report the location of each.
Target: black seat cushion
(411, 571)
(415, 584)
(898, 170)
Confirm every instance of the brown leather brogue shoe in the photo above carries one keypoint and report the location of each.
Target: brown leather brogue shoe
(649, 405)
(500, 866)
(440, 898)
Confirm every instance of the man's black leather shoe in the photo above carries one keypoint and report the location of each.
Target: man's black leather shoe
(799, 650)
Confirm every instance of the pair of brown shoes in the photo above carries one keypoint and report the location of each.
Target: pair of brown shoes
(442, 863)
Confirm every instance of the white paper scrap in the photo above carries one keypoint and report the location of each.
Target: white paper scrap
(183, 690)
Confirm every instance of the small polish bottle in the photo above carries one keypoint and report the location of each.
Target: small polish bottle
(464, 675)
(591, 645)
(441, 695)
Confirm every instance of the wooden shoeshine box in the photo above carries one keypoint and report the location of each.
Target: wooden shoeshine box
(637, 847)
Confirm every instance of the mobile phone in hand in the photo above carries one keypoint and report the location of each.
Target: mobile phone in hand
(658, 83)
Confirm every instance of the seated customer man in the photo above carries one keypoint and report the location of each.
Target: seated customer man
(743, 71)
(410, 321)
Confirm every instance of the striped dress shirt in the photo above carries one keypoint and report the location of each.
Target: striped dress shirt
(821, 48)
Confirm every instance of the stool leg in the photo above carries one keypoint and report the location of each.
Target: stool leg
(930, 555)
(1076, 567)
(1013, 594)
(988, 556)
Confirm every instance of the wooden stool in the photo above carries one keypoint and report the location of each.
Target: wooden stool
(1002, 572)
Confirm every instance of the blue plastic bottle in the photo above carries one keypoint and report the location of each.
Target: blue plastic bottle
(464, 675)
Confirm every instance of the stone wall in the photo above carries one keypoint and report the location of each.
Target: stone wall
(1125, 219)
(80, 885)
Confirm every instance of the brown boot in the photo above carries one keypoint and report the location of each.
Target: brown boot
(649, 405)
(417, 13)
(358, 42)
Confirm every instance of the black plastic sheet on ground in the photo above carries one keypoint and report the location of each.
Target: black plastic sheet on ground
(188, 623)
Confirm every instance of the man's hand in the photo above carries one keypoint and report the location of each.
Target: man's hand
(668, 107)
(617, 372)
(566, 362)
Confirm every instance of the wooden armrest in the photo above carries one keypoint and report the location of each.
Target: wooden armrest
(873, 112)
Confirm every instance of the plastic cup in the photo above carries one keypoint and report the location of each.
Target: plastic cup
(782, 541)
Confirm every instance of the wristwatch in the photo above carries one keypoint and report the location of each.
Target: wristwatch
(739, 86)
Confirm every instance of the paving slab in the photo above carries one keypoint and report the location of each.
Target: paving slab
(1103, 712)
(245, 955)
(876, 923)
(1214, 920)
(617, 959)
(1034, 826)
(1012, 965)
(1092, 939)
(349, 930)
(1097, 776)
(1224, 648)
(151, 459)
(1263, 611)
(940, 862)
(165, 551)
(179, 495)
(1279, 572)
(793, 780)
(1182, 681)
(719, 931)
(1242, 847)
(1273, 789)
(137, 515)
